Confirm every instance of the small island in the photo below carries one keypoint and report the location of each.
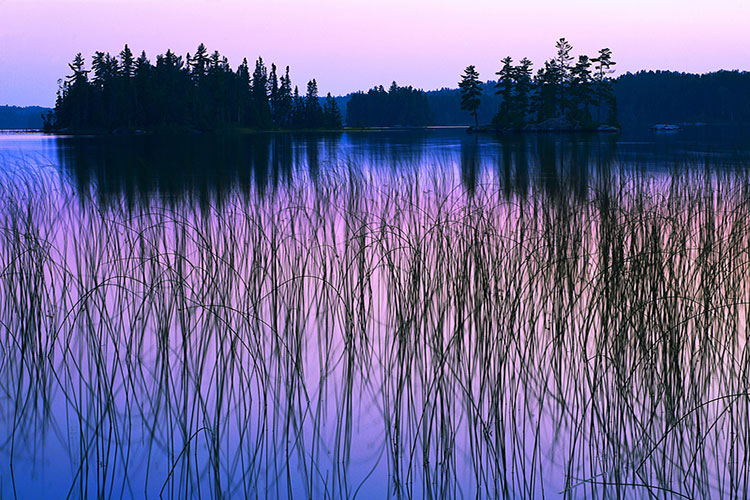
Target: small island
(563, 96)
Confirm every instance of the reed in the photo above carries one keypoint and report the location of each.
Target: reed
(359, 334)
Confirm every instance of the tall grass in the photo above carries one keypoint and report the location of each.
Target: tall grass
(369, 334)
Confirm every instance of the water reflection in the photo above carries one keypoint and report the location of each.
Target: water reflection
(213, 165)
(353, 316)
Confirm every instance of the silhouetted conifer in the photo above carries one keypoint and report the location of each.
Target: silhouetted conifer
(471, 91)
(331, 113)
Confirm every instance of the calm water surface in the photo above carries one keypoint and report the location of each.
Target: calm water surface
(393, 314)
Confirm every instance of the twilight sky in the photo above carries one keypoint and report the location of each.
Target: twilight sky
(352, 45)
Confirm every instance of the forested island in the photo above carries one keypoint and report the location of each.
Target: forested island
(564, 95)
(197, 92)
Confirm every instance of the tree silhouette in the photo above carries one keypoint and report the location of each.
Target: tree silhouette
(262, 109)
(603, 85)
(127, 62)
(198, 92)
(331, 113)
(313, 113)
(286, 101)
(563, 65)
(581, 92)
(73, 98)
(559, 90)
(504, 87)
(471, 92)
(523, 87)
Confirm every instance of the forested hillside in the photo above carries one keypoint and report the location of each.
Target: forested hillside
(16, 117)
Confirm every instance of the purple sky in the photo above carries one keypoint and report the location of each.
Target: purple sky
(352, 45)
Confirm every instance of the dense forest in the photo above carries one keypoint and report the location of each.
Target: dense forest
(398, 106)
(196, 92)
(650, 97)
(565, 93)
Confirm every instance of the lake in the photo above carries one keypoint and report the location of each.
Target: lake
(381, 314)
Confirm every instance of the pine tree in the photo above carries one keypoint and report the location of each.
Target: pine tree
(80, 75)
(523, 82)
(563, 65)
(242, 91)
(313, 111)
(143, 91)
(471, 92)
(331, 113)
(198, 63)
(580, 92)
(259, 91)
(105, 69)
(274, 96)
(504, 87)
(546, 97)
(297, 116)
(603, 90)
(75, 95)
(127, 62)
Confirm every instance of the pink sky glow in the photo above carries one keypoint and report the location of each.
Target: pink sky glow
(353, 45)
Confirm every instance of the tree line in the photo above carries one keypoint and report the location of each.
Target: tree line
(405, 106)
(199, 91)
(651, 97)
(574, 93)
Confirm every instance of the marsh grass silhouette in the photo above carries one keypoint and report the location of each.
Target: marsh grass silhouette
(361, 334)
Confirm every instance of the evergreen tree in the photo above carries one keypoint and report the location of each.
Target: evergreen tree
(581, 92)
(274, 96)
(504, 87)
(471, 92)
(259, 92)
(127, 62)
(313, 110)
(142, 82)
(547, 94)
(243, 110)
(198, 63)
(105, 69)
(285, 100)
(331, 113)
(297, 116)
(523, 83)
(563, 65)
(603, 90)
(74, 102)
(125, 88)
